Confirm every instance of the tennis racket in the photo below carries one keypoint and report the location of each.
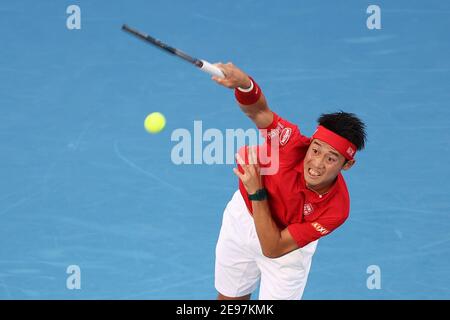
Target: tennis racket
(204, 65)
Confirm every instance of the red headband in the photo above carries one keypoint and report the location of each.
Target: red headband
(342, 145)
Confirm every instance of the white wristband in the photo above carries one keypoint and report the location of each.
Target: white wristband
(248, 89)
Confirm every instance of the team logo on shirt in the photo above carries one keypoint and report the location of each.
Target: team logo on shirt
(308, 209)
(285, 135)
(319, 228)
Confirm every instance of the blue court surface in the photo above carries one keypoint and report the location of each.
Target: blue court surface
(82, 183)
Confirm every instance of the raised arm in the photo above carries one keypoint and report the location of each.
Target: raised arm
(259, 112)
(274, 242)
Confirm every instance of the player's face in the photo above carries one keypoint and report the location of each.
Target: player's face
(321, 166)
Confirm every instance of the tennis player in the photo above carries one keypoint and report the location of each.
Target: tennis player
(272, 224)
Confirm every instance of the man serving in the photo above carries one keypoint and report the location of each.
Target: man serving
(271, 225)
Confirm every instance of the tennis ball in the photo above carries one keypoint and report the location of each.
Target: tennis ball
(155, 122)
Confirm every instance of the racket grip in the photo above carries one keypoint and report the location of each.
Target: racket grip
(211, 69)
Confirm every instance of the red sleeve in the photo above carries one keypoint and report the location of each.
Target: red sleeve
(306, 232)
(291, 144)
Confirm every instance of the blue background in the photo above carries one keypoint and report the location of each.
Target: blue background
(82, 183)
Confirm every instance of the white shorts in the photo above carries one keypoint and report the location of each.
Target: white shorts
(240, 263)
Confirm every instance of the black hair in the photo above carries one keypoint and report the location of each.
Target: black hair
(347, 125)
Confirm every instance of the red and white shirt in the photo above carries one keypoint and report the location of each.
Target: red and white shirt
(307, 215)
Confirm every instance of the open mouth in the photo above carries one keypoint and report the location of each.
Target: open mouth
(313, 173)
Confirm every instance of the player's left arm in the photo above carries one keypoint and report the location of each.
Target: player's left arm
(274, 242)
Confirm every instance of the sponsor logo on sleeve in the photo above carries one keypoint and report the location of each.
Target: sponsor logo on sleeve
(285, 135)
(319, 228)
(273, 133)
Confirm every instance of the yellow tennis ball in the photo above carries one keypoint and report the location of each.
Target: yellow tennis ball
(155, 122)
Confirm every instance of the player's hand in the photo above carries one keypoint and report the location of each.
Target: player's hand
(234, 77)
(251, 178)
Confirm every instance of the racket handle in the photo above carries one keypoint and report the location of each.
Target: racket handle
(211, 69)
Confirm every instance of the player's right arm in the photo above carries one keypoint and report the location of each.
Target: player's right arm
(259, 112)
